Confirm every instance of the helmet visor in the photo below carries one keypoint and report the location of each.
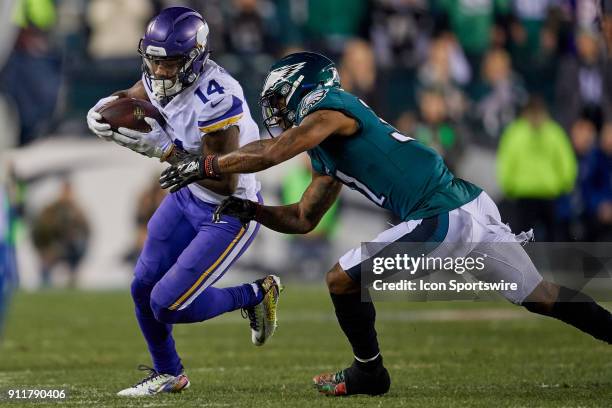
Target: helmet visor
(273, 109)
(163, 68)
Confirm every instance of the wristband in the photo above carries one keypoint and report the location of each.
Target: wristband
(211, 167)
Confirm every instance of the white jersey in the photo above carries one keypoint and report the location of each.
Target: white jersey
(213, 102)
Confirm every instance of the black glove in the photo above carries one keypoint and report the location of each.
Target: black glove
(189, 170)
(183, 173)
(244, 210)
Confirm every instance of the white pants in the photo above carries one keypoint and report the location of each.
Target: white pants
(474, 229)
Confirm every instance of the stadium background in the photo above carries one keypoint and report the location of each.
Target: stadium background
(456, 74)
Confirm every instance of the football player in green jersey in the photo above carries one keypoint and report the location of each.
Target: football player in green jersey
(349, 144)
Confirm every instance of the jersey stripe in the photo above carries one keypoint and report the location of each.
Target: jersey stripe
(233, 111)
(221, 125)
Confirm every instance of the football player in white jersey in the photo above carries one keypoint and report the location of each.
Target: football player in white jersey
(185, 252)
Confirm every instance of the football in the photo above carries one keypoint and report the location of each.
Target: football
(130, 113)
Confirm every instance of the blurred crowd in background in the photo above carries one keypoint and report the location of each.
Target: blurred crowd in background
(526, 79)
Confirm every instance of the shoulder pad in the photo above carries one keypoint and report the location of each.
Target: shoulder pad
(318, 99)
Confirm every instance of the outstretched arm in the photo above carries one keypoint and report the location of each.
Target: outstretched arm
(298, 218)
(219, 142)
(302, 217)
(262, 154)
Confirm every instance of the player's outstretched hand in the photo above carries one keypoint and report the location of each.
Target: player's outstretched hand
(100, 129)
(183, 173)
(155, 143)
(244, 210)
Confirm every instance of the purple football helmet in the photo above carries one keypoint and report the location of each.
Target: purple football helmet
(174, 50)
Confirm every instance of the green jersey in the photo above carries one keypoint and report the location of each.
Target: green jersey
(392, 170)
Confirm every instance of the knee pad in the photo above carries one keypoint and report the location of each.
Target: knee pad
(141, 290)
(163, 314)
(148, 268)
(161, 311)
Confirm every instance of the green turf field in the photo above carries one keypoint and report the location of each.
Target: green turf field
(438, 354)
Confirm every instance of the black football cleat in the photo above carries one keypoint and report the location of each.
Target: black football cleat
(353, 380)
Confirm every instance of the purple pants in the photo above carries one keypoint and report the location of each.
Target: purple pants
(184, 254)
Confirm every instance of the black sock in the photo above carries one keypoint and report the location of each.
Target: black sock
(369, 366)
(356, 318)
(582, 312)
(373, 380)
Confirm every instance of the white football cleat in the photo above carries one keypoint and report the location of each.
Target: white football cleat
(156, 383)
(262, 317)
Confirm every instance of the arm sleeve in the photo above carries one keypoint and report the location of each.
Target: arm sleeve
(220, 113)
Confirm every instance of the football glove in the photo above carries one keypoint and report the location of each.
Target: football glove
(244, 210)
(155, 143)
(182, 173)
(189, 170)
(102, 130)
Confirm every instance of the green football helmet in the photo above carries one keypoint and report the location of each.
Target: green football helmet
(289, 80)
